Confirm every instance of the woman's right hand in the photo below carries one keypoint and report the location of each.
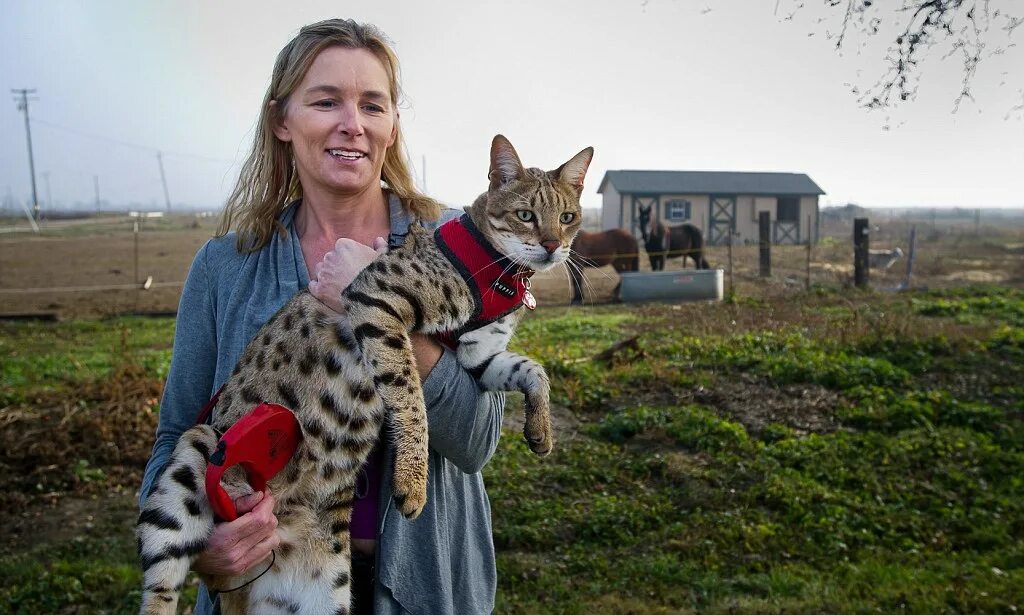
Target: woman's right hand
(235, 546)
(340, 266)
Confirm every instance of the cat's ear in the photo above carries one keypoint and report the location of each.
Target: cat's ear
(505, 164)
(575, 170)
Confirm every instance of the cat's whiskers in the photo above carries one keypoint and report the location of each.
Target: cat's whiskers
(511, 263)
(583, 259)
(584, 282)
(587, 263)
(568, 276)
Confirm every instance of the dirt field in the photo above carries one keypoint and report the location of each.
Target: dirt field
(87, 268)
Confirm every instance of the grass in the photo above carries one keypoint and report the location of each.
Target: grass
(42, 357)
(909, 499)
(916, 503)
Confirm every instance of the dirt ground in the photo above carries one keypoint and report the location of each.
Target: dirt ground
(88, 268)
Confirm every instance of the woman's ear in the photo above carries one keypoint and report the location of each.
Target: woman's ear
(394, 129)
(277, 122)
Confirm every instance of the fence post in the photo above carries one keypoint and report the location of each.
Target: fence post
(910, 258)
(764, 228)
(732, 284)
(861, 238)
(135, 235)
(807, 282)
(135, 274)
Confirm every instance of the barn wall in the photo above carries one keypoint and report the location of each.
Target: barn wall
(748, 208)
(699, 204)
(809, 209)
(610, 207)
(765, 203)
(745, 228)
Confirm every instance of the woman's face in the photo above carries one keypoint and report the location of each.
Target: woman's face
(340, 122)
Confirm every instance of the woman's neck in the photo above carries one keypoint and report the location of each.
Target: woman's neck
(320, 222)
(324, 220)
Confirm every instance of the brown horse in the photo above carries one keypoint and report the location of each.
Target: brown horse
(614, 247)
(663, 242)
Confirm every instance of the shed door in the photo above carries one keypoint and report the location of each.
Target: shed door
(722, 219)
(787, 221)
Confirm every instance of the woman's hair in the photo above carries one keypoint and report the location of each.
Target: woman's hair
(268, 181)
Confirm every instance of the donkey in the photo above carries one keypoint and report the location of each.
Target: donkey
(615, 247)
(663, 242)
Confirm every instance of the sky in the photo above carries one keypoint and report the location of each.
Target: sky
(733, 85)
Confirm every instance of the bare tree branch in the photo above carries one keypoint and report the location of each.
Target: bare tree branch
(965, 26)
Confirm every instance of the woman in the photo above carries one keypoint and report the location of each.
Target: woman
(328, 170)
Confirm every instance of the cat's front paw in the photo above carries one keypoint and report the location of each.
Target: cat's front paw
(409, 489)
(537, 429)
(339, 267)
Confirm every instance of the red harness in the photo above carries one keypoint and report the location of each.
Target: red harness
(498, 287)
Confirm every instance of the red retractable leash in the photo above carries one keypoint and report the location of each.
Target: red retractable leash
(262, 442)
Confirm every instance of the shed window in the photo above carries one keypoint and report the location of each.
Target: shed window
(677, 210)
(789, 209)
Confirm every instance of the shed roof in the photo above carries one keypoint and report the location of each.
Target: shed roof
(710, 182)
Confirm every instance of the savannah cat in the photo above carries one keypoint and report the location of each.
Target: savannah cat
(345, 377)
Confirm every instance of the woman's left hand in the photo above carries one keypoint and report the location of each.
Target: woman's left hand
(340, 266)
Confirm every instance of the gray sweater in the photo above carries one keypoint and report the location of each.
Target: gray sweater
(440, 564)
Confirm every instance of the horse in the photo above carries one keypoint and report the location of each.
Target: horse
(615, 247)
(663, 242)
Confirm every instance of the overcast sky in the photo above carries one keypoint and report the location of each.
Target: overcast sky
(657, 84)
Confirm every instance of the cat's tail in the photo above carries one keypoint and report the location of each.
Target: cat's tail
(176, 522)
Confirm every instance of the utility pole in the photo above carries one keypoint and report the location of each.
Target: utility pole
(23, 107)
(424, 174)
(163, 178)
(96, 183)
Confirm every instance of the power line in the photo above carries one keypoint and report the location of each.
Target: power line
(150, 148)
(23, 107)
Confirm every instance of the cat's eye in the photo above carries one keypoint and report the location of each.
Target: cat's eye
(567, 217)
(524, 215)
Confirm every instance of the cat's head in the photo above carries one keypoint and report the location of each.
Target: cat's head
(530, 215)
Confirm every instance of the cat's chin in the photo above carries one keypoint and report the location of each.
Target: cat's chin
(545, 264)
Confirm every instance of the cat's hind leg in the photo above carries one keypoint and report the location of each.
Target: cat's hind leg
(311, 573)
(175, 522)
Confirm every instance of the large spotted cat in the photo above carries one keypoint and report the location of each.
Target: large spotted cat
(345, 376)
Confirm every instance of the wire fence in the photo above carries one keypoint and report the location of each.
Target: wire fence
(117, 264)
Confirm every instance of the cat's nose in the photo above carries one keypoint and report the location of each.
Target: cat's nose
(551, 246)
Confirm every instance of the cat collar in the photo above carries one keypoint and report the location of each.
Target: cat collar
(498, 286)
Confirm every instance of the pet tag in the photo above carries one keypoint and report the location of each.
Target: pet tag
(528, 299)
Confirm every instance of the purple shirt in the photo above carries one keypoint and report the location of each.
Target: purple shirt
(365, 508)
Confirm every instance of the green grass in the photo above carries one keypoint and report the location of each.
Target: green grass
(52, 357)
(916, 504)
(912, 502)
(86, 574)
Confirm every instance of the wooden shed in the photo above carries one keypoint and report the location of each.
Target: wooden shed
(715, 202)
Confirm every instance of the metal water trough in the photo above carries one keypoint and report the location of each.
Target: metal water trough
(681, 285)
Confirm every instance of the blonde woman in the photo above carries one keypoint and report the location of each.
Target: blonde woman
(328, 167)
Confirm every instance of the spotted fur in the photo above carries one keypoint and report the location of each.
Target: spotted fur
(344, 378)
